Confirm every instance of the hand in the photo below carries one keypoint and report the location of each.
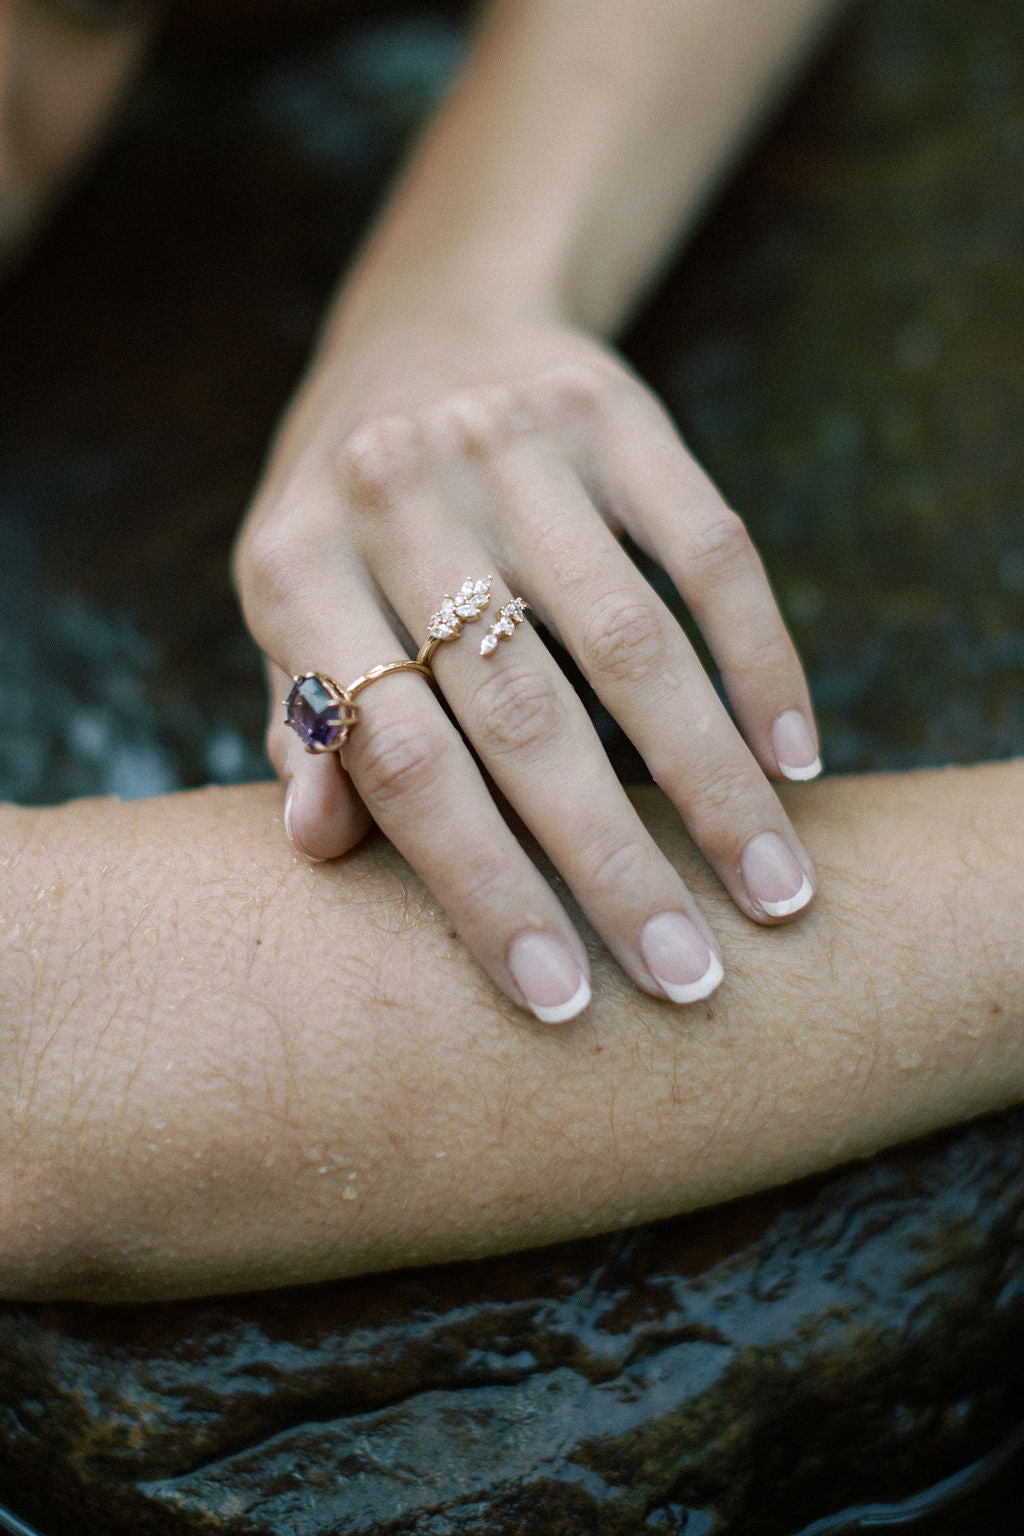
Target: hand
(427, 450)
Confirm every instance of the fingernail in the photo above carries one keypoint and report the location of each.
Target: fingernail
(289, 812)
(679, 959)
(795, 749)
(773, 877)
(549, 977)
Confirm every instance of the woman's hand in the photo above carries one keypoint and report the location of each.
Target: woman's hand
(461, 420)
(423, 452)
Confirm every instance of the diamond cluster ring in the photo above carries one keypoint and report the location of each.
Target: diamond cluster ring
(322, 713)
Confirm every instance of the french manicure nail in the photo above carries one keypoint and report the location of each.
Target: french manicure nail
(289, 812)
(795, 749)
(679, 958)
(549, 977)
(774, 879)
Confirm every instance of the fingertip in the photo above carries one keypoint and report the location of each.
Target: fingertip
(323, 816)
(788, 905)
(563, 1012)
(679, 957)
(553, 984)
(795, 746)
(289, 827)
(801, 775)
(777, 883)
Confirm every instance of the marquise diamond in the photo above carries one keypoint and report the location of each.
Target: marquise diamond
(468, 604)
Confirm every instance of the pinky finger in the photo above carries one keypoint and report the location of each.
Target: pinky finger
(323, 815)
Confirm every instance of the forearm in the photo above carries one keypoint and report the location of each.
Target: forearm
(226, 1069)
(581, 138)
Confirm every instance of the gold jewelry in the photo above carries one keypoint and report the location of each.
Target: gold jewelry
(419, 665)
(464, 608)
(508, 620)
(321, 712)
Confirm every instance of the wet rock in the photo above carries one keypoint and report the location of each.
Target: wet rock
(747, 1370)
(842, 346)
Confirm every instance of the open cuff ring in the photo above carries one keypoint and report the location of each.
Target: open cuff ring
(322, 713)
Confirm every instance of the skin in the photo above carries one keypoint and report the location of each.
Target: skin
(465, 414)
(225, 1069)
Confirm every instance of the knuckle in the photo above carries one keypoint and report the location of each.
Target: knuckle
(397, 761)
(714, 807)
(484, 886)
(719, 547)
(572, 389)
(477, 424)
(623, 639)
(771, 655)
(377, 460)
(517, 710)
(271, 567)
(615, 868)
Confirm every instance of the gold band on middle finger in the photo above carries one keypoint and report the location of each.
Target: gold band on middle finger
(323, 714)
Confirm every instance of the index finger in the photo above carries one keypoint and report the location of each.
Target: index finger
(678, 516)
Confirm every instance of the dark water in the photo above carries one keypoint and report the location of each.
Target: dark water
(842, 347)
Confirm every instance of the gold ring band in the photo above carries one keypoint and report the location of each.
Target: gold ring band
(420, 665)
(322, 713)
(425, 653)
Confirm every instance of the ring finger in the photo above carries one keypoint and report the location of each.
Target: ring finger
(422, 788)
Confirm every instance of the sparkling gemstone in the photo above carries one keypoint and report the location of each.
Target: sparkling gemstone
(488, 644)
(472, 598)
(315, 714)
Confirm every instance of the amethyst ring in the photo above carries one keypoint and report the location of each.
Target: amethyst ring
(322, 713)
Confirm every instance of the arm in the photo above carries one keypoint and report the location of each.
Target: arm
(224, 1070)
(464, 415)
(578, 146)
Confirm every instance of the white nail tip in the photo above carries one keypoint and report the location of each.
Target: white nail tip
(791, 904)
(799, 775)
(564, 1011)
(693, 991)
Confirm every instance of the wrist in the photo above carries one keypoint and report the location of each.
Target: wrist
(478, 283)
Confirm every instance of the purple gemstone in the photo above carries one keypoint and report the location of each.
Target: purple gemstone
(314, 714)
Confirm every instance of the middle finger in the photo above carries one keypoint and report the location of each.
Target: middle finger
(529, 727)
